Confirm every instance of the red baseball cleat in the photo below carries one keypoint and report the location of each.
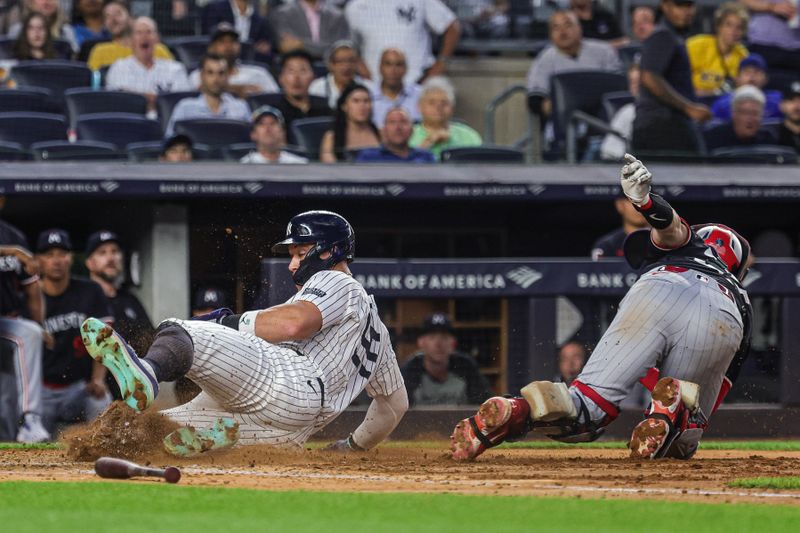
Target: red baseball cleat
(497, 419)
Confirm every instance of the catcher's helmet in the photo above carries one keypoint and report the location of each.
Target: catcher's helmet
(732, 248)
(329, 231)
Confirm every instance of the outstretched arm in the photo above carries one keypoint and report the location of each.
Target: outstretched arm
(383, 415)
(669, 230)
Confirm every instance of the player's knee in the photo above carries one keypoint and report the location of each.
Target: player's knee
(172, 352)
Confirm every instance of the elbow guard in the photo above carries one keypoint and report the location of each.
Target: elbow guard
(657, 212)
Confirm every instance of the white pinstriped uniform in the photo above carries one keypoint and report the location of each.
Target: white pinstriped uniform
(684, 323)
(275, 391)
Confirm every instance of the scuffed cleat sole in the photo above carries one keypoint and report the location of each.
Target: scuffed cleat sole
(648, 438)
(105, 346)
(492, 414)
(189, 441)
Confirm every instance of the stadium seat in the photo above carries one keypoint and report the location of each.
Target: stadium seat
(26, 99)
(28, 128)
(57, 76)
(14, 152)
(216, 133)
(309, 132)
(483, 154)
(63, 49)
(82, 101)
(613, 102)
(780, 79)
(257, 100)
(756, 154)
(166, 102)
(119, 129)
(577, 98)
(234, 152)
(150, 151)
(77, 151)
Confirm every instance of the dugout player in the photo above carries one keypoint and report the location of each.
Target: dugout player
(74, 385)
(21, 296)
(686, 320)
(276, 375)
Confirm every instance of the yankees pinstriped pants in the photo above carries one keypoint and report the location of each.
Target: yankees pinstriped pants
(272, 391)
(680, 321)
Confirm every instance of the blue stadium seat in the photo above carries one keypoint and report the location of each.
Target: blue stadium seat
(28, 128)
(257, 100)
(14, 152)
(77, 151)
(614, 101)
(216, 133)
(308, 133)
(483, 154)
(119, 129)
(150, 151)
(57, 76)
(26, 99)
(234, 152)
(83, 101)
(166, 102)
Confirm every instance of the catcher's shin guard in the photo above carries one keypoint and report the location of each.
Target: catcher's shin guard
(500, 419)
(673, 401)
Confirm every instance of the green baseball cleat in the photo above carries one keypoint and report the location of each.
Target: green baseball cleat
(137, 383)
(188, 441)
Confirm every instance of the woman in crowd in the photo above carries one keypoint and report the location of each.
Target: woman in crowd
(436, 132)
(352, 125)
(56, 21)
(715, 58)
(34, 41)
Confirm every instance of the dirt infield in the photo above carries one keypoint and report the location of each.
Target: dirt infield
(562, 472)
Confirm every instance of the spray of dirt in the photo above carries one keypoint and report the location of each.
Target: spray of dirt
(118, 432)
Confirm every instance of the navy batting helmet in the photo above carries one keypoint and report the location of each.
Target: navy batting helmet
(328, 231)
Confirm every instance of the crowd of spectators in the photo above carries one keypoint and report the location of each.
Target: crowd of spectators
(310, 53)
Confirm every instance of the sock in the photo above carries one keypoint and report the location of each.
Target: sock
(171, 354)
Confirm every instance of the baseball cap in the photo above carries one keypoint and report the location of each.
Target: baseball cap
(98, 239)
(53, 238)
(754, 60)
(792, 90)
(223, 29)
(265, 110)
(209, 297)
(437, 323)
(180, 138)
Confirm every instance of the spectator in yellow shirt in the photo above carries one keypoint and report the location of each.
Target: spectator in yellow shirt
(715, 58)
(117, 19)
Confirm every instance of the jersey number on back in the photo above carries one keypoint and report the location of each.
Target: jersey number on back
(366, 348)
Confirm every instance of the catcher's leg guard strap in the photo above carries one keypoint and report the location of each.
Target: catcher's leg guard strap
(171, 353)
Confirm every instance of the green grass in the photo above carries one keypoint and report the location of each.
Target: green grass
(19, 446)
(786, 483)
(148, 508)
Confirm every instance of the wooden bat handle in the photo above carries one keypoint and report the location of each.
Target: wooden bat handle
(113, 468)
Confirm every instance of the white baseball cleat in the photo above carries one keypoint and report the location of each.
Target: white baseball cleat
(32, 430)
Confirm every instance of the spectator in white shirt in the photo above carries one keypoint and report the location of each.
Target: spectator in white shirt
(142, 72)
(244, 79)
(342, 65)
(213, 101)
(269, 134)
(406, 25)
(391, 90)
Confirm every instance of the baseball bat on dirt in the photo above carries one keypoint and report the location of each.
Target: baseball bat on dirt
(111, 467)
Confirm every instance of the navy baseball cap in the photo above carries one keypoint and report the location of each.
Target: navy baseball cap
(98, 239)
(175, 140)
(267, 110)
(224, 29)
(792, 90)
(53, 238)
(437, 323)
(754, 60)
(209, 297)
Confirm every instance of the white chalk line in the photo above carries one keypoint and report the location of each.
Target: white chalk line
(472, 483)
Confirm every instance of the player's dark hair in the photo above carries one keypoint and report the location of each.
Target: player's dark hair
(296, 54)
(339, 127)
(213, 57)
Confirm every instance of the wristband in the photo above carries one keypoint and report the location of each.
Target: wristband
(656, 211)
(247, 322)
(351, 443)
(231, 321)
